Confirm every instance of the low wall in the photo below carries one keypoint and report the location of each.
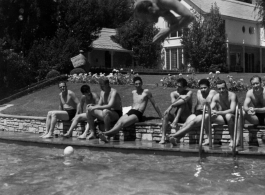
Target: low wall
(139, 131)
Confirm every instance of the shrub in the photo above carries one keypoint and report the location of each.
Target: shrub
(115, 78)
(77, 71)
(193, 82)
(218, 67)
(52, 74)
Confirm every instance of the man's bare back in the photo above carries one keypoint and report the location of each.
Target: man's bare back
(112, 95)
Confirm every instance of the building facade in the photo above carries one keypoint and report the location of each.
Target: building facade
(108, 54)
(245, 37)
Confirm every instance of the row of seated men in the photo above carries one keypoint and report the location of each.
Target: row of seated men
(108, 108)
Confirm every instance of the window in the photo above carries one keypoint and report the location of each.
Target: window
(251, 30)
(243, 29)
(176, 34)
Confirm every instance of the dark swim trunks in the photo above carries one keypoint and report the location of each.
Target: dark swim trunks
(71, 113)
(119, 112)
(261, 117)
(198, 112)
(224, 119)
(136, 113)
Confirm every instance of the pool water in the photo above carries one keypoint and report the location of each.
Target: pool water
(44, 171)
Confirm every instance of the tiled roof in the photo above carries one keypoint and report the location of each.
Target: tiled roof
(230, 8)
(104, 41)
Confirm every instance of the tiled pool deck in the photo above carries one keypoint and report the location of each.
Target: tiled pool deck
(144, 147)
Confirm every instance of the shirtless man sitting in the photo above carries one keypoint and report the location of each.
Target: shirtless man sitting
(68, 104)
(204, 95)
(140, 100)
(108, 109)
(151, 10)
(180, 109)
(256, 97)
(89, 99)
(226, 101)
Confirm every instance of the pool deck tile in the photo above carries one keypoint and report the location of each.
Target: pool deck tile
(129, 146)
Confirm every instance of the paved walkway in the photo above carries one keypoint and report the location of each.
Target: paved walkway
(5, 106)
(146, 147)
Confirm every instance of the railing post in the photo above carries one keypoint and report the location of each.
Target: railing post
(210, 126)
(201, 132)
(235, 132)
(242, 126)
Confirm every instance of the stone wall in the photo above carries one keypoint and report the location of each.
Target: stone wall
(140, 131)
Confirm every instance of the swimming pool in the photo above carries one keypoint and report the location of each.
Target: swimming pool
(42, 171)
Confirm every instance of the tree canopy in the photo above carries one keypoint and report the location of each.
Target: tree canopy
(137, 36)
(204, 42)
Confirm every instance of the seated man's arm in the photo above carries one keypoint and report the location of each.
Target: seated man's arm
(80, 105)
(214, 102)
(110, 103)
(232, 108)
(247, 101)
(152, 100)
(61, 104)
(96, 98)
(196, 103)
(182, 99)
(75, 99)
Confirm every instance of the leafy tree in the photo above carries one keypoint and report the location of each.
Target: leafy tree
(78, 26)
(204, 42)
(23, 21)
(260, 6)
(114, 13)
(138, 36)
(15, 72)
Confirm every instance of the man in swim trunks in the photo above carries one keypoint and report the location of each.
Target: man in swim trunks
(151, 10)
(226, 101)
(180, 109)
(256, 97)
(204, 95)
(108, 109)
(89, 99)
(68, 104)
(140, 100)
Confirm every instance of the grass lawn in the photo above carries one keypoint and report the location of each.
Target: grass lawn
(40, 102)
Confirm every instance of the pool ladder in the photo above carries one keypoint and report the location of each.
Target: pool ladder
(238, 119)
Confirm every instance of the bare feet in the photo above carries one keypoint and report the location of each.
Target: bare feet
(91, 136)
(174, 125)
(68, 135)
(173, 141)
(48, 136)
(103, 138)
(206, 142)
(162, 141)
(231, 143)
(45, 133)
(83, 136)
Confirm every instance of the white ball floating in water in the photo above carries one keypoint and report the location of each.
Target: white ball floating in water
(69, 150)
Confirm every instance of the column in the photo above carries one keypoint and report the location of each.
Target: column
(243, 57)
(112, 56)
(228, 54)
(177, 58)
(170, 59)
(260, 59)
(182, 59)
